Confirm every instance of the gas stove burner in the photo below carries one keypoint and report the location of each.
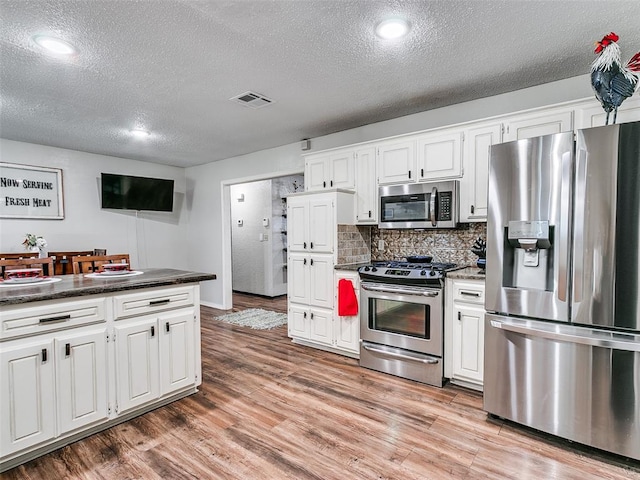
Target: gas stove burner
(406, 273)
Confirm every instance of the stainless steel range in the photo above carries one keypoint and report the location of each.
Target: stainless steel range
(401, 319)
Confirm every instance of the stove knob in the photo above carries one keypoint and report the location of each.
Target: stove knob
(374, 269)
(366, 269)
(432, 273)
(423, 272)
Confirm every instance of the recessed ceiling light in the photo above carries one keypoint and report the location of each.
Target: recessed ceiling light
(139, 133)
(54, 45)
(392, 28)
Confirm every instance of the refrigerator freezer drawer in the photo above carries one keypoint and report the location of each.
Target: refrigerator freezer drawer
(582, 384)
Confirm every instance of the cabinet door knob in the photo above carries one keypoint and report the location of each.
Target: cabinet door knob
(459, 316)
(472, 209)
(311, 245)
(167, 327)
(331, 183)
(305, 315)
(44, 355)
(409, 173)
(304, 261)
(324, 184)
(311, 261)
(304, 244)
(422, 172)
(369, 213)
(153, 331)
(67, 349)
(311, 315)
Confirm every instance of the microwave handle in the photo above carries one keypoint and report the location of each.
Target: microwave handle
(432, 206)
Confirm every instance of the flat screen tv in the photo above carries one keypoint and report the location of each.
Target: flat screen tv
(136, 193)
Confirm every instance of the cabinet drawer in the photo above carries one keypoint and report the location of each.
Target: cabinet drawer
(37, 319)
(152, 301)
(468, 292)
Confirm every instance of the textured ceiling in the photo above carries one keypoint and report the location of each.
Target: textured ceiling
(171, 66)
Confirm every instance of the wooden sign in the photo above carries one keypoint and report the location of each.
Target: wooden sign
(30, 192)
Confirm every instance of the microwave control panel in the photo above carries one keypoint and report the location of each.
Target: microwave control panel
(445, 206)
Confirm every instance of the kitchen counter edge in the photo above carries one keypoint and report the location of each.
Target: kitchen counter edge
(79, 285)
(467, 273)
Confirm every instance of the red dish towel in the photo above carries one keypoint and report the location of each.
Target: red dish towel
(347, 301)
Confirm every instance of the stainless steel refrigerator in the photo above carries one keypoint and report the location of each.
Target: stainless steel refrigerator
(562, 332)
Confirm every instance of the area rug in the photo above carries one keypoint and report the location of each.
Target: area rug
(255, 318)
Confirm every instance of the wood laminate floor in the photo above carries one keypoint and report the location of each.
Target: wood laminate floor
(269, 409)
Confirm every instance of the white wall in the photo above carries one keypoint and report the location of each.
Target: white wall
(205, 183)
(154, 239)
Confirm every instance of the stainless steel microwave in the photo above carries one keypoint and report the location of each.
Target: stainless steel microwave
(419, 205)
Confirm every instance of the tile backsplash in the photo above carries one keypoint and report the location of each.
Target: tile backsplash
(358, 244)
(354, 244)
(445, 245)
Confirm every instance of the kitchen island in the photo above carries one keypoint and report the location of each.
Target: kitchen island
(81, 353)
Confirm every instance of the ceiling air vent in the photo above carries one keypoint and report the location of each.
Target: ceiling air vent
(252, 100)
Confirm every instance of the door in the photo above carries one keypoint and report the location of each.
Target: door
(298, 321)
(137, 373)
(321, 326)
(316, 172)
(27, 406)
(321, 225)
(321, 281)
(606, 265)
(342, 170)
(531, 126)
(82, 379)
(177, 346)
(298, 289)
(298, 226)
(529, 227)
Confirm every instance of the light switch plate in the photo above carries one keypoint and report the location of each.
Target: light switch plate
(381, 245)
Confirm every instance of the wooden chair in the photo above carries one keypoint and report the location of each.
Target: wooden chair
(62, 264)
(17, 256)
(44, 264)
(93, 263)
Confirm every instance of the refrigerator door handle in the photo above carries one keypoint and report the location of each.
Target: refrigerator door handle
(564, 229)
(560, 334)
(578, 223)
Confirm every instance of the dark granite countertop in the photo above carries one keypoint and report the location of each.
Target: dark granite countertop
(79, 285)
(466, 273)
(350, 267)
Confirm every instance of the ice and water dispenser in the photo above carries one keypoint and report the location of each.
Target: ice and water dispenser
(528, 255)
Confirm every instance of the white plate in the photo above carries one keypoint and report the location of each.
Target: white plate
(41, 281)
(114, 272)
(25, 280)
(130, 273)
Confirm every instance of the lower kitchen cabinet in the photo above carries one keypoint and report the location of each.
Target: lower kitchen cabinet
(70, 368)
(464, 332)
(324, 328)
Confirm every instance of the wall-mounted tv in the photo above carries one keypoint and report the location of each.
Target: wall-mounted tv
(136, 193)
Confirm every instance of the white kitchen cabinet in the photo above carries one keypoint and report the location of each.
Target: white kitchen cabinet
(474, 183)
(329, 170)
(137, 363)
(397, 161)
(366, 197)
(321, 326)
(544, 122)
(439, 155)
(298, 321)
(81, 365)
(347, 328)
(155, 356)
(311, 279)
(312, 220)
(28, 408)
(591, 114)
(464, 332)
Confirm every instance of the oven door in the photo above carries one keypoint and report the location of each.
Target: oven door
(405, 317)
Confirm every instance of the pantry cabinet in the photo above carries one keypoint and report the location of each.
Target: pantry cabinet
(311, 279)
(474, 183)
(308, 217)
(335, 169)
(464, 332)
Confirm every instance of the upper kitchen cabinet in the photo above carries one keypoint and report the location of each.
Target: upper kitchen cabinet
(366, 201)
(439, 155)
(592, 114)
(544, 122)
(397, 161)
(473, 185)
(330, 170)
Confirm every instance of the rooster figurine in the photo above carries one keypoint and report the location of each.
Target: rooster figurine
(612, 81)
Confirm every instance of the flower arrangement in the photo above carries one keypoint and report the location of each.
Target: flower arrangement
(33, 242)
